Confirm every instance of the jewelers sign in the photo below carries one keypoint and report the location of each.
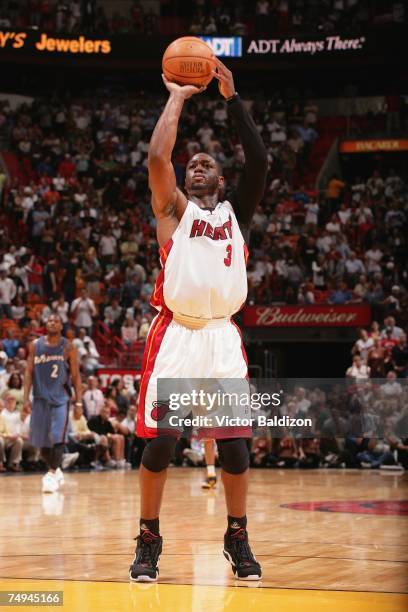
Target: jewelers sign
(307, 316)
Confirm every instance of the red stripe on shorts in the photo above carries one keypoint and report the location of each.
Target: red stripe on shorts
(153, 343)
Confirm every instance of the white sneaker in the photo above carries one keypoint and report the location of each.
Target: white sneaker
(59, 476)
(123, 465)
(192, 455)
(68, 460)
(396, 467)
(50, 483)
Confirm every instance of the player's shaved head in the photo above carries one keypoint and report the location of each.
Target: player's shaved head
(203, 175)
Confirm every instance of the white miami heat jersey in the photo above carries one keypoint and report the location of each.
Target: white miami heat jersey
(204, 265)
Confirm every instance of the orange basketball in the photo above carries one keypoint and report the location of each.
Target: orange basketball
(188, 61)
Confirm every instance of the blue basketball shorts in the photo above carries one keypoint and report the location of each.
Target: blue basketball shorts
(49, 423)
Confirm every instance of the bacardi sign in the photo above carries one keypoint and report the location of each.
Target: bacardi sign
(307, 316)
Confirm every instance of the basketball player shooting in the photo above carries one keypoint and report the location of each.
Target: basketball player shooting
(202, 284)
(51, 361)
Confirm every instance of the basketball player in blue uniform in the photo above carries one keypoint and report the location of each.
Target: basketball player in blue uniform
(52, 361)
(202, 284)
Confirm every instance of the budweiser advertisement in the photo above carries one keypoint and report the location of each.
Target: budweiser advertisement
(307, 316)
(108, 375)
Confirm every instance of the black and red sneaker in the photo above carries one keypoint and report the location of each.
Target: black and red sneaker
(238, 552)
(144, 567)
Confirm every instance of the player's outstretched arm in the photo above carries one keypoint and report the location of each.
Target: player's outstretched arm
(251, 185)
(75, 375)
(167, 200)
(28, 374)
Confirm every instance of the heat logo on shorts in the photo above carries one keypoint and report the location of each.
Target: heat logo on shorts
(160, 409)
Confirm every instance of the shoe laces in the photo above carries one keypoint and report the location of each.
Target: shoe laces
(241, 546)
(147, 548)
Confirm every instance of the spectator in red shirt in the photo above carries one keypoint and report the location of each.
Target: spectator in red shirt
(67, 167)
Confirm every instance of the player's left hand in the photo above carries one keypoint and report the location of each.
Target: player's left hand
(224, 78)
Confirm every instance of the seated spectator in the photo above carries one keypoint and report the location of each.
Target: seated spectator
(15, 389)
(363, 345)
(309, 453)
(83, 310)
(377, 455)
(93, 398)
(333, 193)
(359, 370)
(391, 388)
(354, 267)
(8, 291)
(261, 448)
(391, 329)
(306, 295)
(287, 452)
(399, 442)
(301, 403)
(61, 307)
(399, 358)
(87, 352)
(129, 330)
(91, 446)
(341, 295)
(11, 344)
(18, 309)
(116, 442)
(31, 455)
(388, 341)
(121, 395)
(113, 315)
(10, 434)
(377, 359)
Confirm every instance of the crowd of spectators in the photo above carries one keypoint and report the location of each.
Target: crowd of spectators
(380, 353)
(362, 424)
(295, 16)
(101, 434)
(78, 238)
(215, 17)
(346, 246)
(75, 17)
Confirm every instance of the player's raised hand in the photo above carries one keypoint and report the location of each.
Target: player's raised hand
(186, 91)
(224, 78)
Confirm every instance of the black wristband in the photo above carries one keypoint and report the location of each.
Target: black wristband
(235, 96)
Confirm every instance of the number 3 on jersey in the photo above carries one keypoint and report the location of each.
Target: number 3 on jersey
(228, 258)
(54, 372)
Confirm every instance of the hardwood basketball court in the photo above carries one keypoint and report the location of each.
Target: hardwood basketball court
(348, 553)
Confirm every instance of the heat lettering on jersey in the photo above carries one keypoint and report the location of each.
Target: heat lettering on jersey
(220, 232)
